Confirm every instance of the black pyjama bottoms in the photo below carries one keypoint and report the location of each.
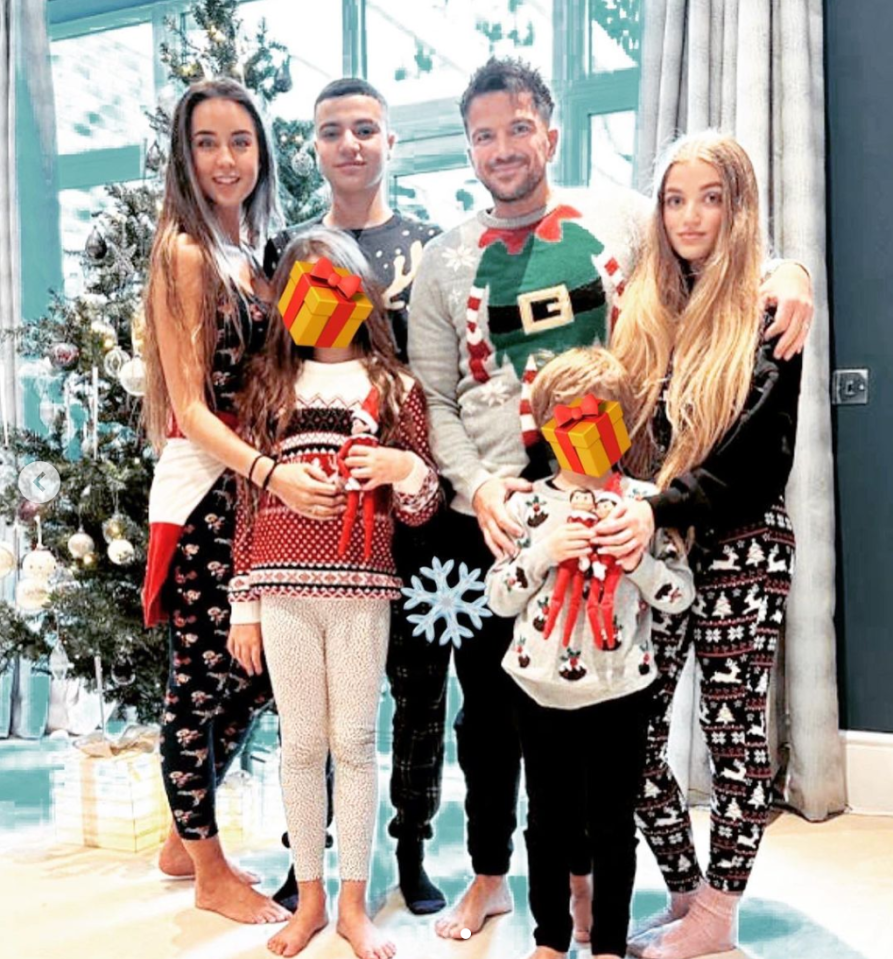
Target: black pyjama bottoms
(587, 759)
(210, 703)
(742, 585)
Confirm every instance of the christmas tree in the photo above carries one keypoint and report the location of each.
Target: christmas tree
(83, 554)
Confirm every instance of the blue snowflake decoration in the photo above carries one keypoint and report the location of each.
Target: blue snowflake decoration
(446, 602)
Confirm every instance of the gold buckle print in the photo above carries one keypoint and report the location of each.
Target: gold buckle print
(560, 311)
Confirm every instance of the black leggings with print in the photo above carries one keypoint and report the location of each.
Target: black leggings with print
(210, 703)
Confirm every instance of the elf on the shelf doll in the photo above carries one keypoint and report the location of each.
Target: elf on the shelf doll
(364, 430)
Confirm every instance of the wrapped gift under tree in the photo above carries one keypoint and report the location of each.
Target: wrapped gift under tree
(588, 436)
(109, 794)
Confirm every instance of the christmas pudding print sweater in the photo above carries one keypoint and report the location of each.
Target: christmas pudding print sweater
(492, 300)
(276, 550)
(580, 673)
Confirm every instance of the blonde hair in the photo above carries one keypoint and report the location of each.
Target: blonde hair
(585, 369)
(707, 322)
(186, 210)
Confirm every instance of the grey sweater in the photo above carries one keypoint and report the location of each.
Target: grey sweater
(489, 295)
(582, 674)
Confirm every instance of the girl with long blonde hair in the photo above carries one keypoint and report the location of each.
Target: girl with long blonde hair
(206, 314)
(713, 421)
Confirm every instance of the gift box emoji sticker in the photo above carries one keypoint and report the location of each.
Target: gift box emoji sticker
(323, 305)
(587, 436)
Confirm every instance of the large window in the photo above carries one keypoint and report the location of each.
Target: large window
(107, 73)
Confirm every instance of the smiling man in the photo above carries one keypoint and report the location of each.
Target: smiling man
(539, 273)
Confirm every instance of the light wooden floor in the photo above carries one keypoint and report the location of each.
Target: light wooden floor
(820, 891)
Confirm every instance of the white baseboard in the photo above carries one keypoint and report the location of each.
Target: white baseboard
(868, 758)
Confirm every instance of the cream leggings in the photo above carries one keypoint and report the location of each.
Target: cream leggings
(326, 659)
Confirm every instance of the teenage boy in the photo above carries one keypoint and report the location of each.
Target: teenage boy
(353, 143)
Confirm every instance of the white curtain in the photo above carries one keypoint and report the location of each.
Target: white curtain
(10, 286)
(754, 68)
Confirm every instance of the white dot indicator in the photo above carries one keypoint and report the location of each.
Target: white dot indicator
(465, 933)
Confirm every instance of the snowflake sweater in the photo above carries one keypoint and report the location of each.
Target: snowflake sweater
(493, 294)
(276, 550)
(580, 673)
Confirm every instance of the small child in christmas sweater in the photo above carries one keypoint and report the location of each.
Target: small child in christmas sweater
(312, 586)
(583, 662)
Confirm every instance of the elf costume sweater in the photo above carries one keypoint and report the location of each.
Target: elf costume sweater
(581, 673)
(276, 550)
(491, 297)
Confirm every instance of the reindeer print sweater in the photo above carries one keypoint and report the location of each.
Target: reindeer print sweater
(393, 250)
(581, 674)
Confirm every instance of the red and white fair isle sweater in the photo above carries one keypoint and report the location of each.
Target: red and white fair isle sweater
(276, 550)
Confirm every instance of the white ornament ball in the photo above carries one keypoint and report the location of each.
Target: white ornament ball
(39, 564)
(121, 552)
(32, 595)
(80, 543)
(114, 360)
(133, 377)
(7, 560)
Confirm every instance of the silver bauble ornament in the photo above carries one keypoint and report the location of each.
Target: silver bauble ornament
(80, 543)
(123, 673)
(302, 163)
(114, 360)
(121, 552)
(96, 247)
(133, 377)
(63, 356)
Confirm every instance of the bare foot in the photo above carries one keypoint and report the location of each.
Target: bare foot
(310, 918)
(544, 952)
(581, 906)
(174, 861)
(486, 896)
(366, 940)
(223, 892)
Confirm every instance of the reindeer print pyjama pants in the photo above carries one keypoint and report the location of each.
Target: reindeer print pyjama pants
(742, 584)
(211, 702)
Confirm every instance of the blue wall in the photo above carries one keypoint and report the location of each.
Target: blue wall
(860, 215)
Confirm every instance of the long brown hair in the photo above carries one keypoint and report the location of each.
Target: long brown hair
(187, 211)
(708, 323)
(268, 399)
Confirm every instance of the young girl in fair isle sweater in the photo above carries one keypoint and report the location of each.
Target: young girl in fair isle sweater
(312, 587)
(583, 665)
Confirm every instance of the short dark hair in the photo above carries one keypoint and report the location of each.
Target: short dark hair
(509, 75)
(350, 87)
